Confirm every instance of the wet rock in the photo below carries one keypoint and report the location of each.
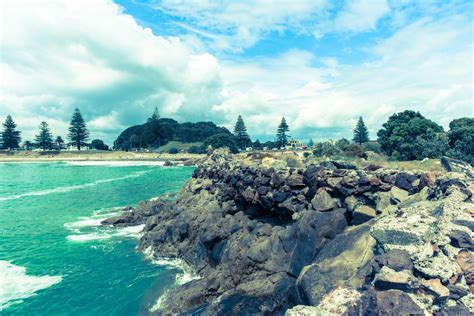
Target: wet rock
(388, 279)
(362, 214)
(322, 201)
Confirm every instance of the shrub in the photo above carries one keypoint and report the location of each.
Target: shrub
(196, 150)
(372, 146)
(326, 149)
(355, 150)
(221, 140)
(173, 151)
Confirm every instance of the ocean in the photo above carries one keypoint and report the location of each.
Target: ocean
(56, 259)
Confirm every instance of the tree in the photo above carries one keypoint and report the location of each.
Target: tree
(155, 116)
(361, 134)
(257, 145)
(28, 145)
(60, 142)
(310, 143)
(78, 132)
(44, 139)
(221, 140)
(10, 136)
(99, 144)
(281, 136)
(461, 139)
(400, 135)
(240, 132)
(342, 144)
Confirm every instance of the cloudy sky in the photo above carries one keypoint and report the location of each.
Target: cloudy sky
(319, 63)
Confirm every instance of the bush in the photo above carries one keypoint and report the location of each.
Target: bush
(222, 140)
(355, 150)
(461, 139)
(173, 151)
(372, 146)
(306, 154)
(196, 150)
(326, 149)
(342, 144)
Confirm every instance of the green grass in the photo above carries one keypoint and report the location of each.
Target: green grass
(178, 145)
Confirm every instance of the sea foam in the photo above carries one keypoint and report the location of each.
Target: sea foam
(16, 285)
(111, 163)
(71, 188)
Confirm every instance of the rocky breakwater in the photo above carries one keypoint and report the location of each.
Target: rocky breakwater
(264, 237)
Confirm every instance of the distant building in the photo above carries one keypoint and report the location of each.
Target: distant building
(295, 144)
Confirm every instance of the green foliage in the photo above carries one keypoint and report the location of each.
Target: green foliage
(326, 149)
(10, 136)
(401, 134)
(220, 141)
(361, 133)
(44, 139)
(372, 146)
(28, 145)
(461, 139)
(78, 133)
(99, 145)
(257, 145)
(196, 150)
(354, 150)
(306, 154)
(155, 116)
(157, 133)
(59, 142)
(173, 151)
(310, 142)
(342, 144)
(241, 135)
(281, 136)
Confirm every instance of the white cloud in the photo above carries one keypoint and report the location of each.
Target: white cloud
(361, 15)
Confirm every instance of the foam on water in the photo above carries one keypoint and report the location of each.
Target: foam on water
(71, 187)
(186, 275)
(107, 233)
(115, 163)
(16, 285)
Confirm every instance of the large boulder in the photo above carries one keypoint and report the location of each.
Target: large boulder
(322, 201)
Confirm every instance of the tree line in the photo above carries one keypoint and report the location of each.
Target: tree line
(78, 135)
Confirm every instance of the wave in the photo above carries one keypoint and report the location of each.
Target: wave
(186, 274)
(16, 285)
(107, 233)
(111, 163)
(71, 187)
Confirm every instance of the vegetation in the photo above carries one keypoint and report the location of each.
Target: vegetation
(155, 116)
(241, 135)
(98, 144)
(361, 133)
(281, 136)
(310, 142)
(173, 151)
(222, 140)
(461, 139)
(78, 133)
(10, 136)
(44, 139)
(59, 142)
(405, 134)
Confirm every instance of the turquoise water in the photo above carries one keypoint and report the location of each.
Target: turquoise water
(55, 259)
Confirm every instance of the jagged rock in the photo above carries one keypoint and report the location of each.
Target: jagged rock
(383, 201)
(391, 302)
(351, 203)
(457, 310)
(461, 239)
(337, 264)
(456, 292)
(398, 195)
(465, 260)
(455, 165)
(322, 201)
(395, 259)
(435, 287)
(362, 214)
(295, 180)
(388, 279)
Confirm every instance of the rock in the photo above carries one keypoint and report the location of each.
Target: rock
(322, 201)
(269, 162)
(465, 260)
(343, 165)
(455, 165)
(339, 301)
(372, 167)
(405, 181)
(398, 195)
(295, 180)
(388, 279)
(383, 201)
(435, 287)
(351, 203)
(303, 310)
(461, 239)
(457, 310)
(362, 214)
(339, 263)
(391, 302)
(456, 292)
(396, 260)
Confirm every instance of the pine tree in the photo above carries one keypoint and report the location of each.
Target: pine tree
(310, 143)
(44, 139)
(59, 141)
(281, 136)
(78, 132)
(10, 136)
(155, 116)
(240, 132)
(361, 134)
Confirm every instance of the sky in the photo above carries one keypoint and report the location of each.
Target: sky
(319, 63)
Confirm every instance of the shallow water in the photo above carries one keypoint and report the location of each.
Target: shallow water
(56, 259)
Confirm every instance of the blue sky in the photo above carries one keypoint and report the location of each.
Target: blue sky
(319, 63)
